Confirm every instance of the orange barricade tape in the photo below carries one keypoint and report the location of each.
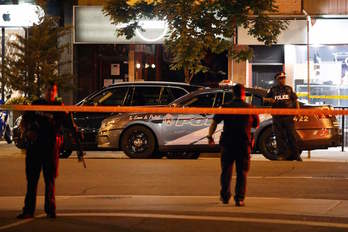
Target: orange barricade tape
(173, 110)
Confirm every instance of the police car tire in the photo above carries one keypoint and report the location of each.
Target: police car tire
(194, 155)
(262, 144)
(150, 152)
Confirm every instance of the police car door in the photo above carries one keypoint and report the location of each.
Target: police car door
(191, 129)
(89, 123)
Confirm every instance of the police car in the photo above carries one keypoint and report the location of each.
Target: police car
(139, 93)
(147, 135)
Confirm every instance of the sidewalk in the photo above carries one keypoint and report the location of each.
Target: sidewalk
(333, 154)
(326, 155)
(206, 205)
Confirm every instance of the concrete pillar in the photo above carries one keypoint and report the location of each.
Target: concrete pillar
(131, 63)
(230, 69)
(237, 72)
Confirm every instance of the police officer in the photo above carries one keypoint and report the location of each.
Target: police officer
(236, 144)
(41, 130)
(282, 96)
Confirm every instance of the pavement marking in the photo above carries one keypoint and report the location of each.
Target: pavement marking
(299, 177)
(18, 223)
(176, 216)
(189, 217)
(65, 197)
(210, 218)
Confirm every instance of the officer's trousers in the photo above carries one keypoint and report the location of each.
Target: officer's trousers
(37, 158)
(285, 132)
(241, 156)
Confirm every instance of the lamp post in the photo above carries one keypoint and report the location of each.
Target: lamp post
(308, 64)
(3, 63)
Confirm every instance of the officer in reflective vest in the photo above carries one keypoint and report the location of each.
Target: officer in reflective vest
(282, 96)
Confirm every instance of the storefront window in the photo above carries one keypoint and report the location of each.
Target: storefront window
(152, 63)
(328, 73)
(266, 63)
(148, 62)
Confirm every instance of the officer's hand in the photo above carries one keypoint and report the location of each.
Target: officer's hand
(211, 141)
(270, 100)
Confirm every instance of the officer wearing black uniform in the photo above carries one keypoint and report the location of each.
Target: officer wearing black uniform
(236, 144)
(282, 96)
(41, 130)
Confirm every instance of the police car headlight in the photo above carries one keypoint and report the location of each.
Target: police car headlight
(111, 123)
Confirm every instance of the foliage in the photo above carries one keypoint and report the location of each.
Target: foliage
(5, 88)
(35, 60)
(197, 27)
(18, 101)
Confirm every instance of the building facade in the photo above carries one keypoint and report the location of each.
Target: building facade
(16, 16)
(101, 58)
(316, 32)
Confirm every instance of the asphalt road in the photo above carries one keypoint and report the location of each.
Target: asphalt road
(120, 194)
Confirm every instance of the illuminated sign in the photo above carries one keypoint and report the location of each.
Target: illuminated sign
(324, 31)
(21, 15)
(154, 30)
(92, 26)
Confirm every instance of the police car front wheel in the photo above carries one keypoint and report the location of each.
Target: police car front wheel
(139, 142)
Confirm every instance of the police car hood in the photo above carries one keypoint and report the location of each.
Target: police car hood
(304, 104)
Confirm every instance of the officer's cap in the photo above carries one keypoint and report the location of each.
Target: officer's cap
(280, 75)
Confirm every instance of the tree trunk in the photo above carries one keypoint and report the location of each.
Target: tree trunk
(38, 90)
(187, 75)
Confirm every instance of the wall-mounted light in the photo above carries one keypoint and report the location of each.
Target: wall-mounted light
(138, 66)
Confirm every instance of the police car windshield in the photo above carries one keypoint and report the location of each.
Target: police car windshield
(182, 101)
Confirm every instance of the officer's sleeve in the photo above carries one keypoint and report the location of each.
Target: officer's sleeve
(293, 95)
(58, 116)
(218, 118)
(25, 120)
(269, 93)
